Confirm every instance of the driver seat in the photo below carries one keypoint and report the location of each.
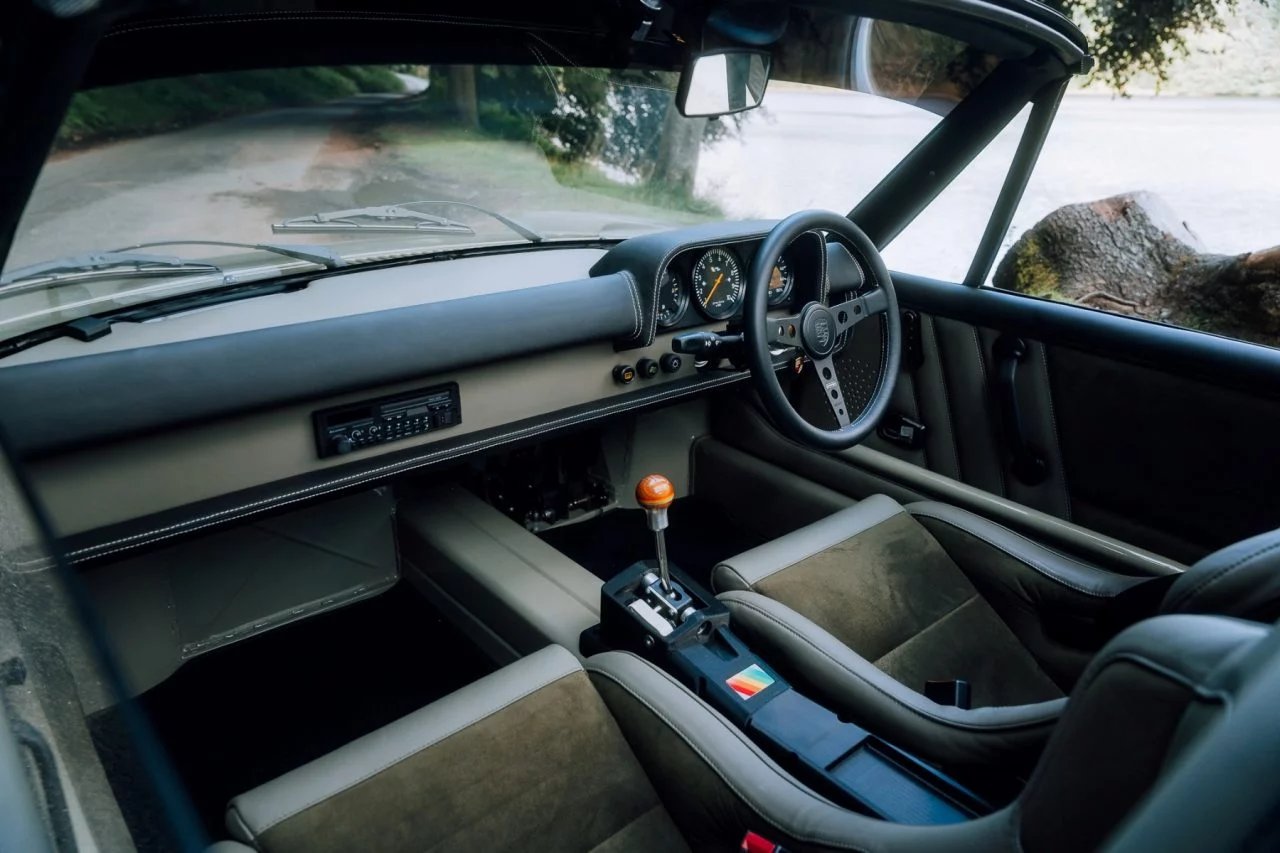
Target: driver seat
(867, 605)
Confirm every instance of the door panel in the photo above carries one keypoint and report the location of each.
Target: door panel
(1160, 437)
(947, 389)
(1197, 463)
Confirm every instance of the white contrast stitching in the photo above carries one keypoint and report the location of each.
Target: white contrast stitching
(973, 728)
(1021, 558)
(231, 513)
(751, 801)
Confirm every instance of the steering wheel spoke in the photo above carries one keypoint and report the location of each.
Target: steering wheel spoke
(818, 331)
(854, 311)
(784, 331)
(826, 369)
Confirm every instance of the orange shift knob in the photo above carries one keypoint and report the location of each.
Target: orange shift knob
(655, 492)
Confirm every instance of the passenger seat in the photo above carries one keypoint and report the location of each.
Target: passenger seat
(618, 757)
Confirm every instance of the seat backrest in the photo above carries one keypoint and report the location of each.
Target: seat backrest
(1240, 580)
(1142, 700)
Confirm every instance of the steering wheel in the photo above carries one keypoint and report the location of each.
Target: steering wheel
(817, 331)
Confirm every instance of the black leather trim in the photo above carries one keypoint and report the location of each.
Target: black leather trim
(1217, 360)
(647, 256)
(57, 405)
(844, 273)
(142, 533)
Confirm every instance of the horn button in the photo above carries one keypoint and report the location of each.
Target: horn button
(818, 331)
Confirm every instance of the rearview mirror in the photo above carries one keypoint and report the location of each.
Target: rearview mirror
(726, 81)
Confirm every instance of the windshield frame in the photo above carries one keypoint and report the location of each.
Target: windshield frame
(888, 208)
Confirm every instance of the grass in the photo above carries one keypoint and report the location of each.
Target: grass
(473, 162)
(154, 106)
(651, 193)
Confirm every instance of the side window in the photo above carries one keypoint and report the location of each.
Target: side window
(941, 242)
(1161, 207)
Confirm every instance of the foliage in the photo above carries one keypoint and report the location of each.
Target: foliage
(583, 118)
(1130, 37)
(153, 106)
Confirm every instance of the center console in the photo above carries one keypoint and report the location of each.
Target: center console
(654, 610)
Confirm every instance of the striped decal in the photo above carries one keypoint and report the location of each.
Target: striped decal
(750, 681)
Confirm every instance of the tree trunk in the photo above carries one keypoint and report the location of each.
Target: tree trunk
(678, 150)
(1130, 255)
(462, 95)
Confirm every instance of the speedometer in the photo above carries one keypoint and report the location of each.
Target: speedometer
(717, 284)
(673, 299)
(780, 283)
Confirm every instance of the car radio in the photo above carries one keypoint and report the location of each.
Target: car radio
(343, 429)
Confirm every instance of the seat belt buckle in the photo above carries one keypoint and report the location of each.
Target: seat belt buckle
(948, 691)
(752, 843)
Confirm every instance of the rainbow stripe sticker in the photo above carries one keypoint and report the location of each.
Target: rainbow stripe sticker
(750, 681)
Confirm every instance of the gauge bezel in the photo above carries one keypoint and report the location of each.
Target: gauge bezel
(779, 297)
(684, 299)
(736, 305)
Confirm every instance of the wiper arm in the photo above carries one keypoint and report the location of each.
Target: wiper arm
(115, 263)
(389, 217)
(385, 217)
(321, 255)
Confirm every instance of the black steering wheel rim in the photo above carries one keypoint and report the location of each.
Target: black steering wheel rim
(814, 332)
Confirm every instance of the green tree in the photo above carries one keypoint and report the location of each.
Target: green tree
(1129, 37)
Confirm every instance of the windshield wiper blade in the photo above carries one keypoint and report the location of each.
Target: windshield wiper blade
(387, 217)
(384, 217)
(321, 255)
(117, 263)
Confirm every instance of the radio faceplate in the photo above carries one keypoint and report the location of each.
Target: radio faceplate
(343, 429)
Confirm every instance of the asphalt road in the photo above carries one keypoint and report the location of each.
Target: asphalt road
(1213, 161)
(211, 182)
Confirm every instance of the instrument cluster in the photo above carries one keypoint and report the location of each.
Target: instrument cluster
(712, 281)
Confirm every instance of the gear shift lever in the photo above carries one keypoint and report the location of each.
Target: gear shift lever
(655, 493)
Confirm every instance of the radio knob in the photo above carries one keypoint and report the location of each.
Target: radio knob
(343, 445)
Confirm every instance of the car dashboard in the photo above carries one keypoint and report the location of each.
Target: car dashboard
(199, 419)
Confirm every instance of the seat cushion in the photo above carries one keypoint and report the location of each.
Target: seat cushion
(877, 581)
(526, 757)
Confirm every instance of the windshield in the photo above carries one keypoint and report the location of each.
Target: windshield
(376, 162)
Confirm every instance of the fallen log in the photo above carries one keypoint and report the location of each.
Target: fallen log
(1130, 255)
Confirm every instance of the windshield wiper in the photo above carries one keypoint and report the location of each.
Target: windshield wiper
(398, 217)
(321, 255)
(116, 263)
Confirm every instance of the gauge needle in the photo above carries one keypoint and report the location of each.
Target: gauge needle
(719, 279)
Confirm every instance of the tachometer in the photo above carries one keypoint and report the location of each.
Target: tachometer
(673, 300)
(717, 284)
(780, 283)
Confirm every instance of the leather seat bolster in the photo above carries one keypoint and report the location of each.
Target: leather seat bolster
(1059, 607)
(1183, 647)
(1124, 723)
(750, 567)
(1011, 735)
(253, 813)
(1240, 580)
(717, 783)
(1062, 575)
